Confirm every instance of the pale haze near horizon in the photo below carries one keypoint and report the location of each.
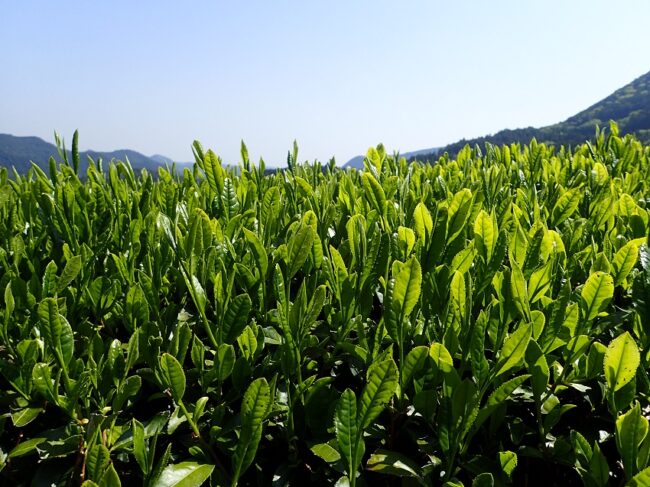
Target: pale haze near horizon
(336, 76)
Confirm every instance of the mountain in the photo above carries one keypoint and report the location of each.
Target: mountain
(629, 106)
(357, 161)
(19, 151)
(164, 160)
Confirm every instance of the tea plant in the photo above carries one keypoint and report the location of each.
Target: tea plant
(480, 321)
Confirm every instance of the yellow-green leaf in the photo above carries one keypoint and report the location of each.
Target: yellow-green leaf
(458, 213)
(596, 294)
(566, 205)
(407, 287)
(374, 192)
(184, 474)
(422, 221)
(631, 430)
(441, 357)
(624, 261)
(519, 291)
(486, 233)
(622, 358)
(514, 349)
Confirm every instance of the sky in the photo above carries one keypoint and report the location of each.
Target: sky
(337, 76)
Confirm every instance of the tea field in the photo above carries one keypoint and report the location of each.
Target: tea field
(480, 321)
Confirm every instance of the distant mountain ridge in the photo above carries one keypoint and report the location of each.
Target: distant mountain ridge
(628, 106)
(19, 151)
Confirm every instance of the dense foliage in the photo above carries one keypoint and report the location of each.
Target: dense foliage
(481, 321)
(629, 106)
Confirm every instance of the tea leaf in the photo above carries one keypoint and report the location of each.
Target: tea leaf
(622, 358)
(347, 429)
(184, 474)
(596, 294)
(173, 376)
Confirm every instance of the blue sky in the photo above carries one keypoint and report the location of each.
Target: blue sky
(338, 76)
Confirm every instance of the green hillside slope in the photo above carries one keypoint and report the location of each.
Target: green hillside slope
(629, 106)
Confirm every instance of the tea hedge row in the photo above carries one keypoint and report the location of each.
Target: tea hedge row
(481, 321)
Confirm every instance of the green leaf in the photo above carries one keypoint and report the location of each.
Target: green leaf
(254, 409)
(184, 474)
(422, 221)
(498, 397)
(441, 357)
(540, 281)
(24, 416)
(49, 279)
(464, 401)
(514, 349)
(598, 467)
(247, 342)
(508, 461)
(173, 376)
(622, 358)
(213, 171)
(566, 205)
(326, 452)
(374, 192)
(405, 239)
(10, 302)
(381, 385)
(355, 228)
(374, 158)
(199, 294)
(624, 261)
(596, 294)
(485, 479)
(42, 380)
(347, 429)
(631, 430)
(413, 363)
(642, 479)
(225, 361)
(458, 295)
(463, 260)
(236, 317)
(407, 287)
(110, 478)
(299, 249)
(393, 463)
(162, 462)
(48, 314)
(486, 233)
(140, 451)
(315, 306)
(98, 458)
(70, 272)
(66, 343)
(26, 447)
(519, 291)
(75, 151)
(581, 447)
(258, 251)
(458, 213)
(538, 368)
